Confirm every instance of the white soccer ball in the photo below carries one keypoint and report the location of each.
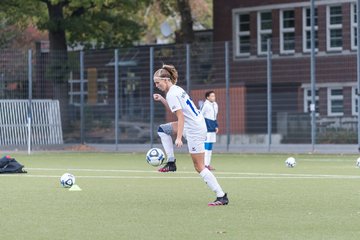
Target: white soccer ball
(67, 180)
(290, 162)
(155, 157)
(358, 162)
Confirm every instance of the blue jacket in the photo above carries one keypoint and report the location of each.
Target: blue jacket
(211, 125)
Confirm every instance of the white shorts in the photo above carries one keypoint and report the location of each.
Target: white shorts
(210, 137)
(195, 140)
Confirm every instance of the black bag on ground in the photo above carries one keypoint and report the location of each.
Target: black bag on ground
(10, 165)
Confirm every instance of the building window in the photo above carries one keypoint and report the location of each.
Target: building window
(264, 31)
(353, 27)
(307, 29)
(354, 101)
(335, 102)
(243, 34)
(287, 31)
(308, 100)
(95, 89)
(334, 28)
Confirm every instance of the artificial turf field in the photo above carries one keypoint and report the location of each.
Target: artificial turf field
(123, 197)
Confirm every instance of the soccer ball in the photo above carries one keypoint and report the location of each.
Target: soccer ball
(67, 180)
(358, 162)
(155, 157)
(290, 162)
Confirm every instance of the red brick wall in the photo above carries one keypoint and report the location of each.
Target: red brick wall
(237, 107)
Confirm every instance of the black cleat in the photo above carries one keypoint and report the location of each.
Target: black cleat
(169, 167)
(219, 201)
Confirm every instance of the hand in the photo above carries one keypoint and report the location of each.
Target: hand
(157, 97)
(178, 142)
(216, 130)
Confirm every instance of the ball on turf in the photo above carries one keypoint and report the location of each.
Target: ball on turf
(358, 162)
(290, 162)
(155, 157)
(67, 180)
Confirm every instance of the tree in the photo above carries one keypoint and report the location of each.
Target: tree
(186, 33)
(7, 33)
(181, 14)
(108, 23)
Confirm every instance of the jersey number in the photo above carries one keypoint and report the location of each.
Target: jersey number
(188, 102)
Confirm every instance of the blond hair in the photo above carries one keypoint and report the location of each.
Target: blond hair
(168, 72)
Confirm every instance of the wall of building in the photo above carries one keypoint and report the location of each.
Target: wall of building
(222, 12)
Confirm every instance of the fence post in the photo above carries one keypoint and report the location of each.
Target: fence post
(116, 127)
(227, 80)
(151, 96)
(269, 95)
(313, 79)
(358, 68)
(188, 88)
(82, 119)
(30, 98)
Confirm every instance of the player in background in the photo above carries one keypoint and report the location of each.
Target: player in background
(210, 111)
(190, 124)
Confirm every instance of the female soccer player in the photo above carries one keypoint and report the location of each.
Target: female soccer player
(190, 124)
(210, 111)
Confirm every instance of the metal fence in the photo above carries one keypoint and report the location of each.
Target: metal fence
(265, 100)
(41, 127)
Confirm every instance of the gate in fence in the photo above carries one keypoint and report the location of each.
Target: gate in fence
(45, 127)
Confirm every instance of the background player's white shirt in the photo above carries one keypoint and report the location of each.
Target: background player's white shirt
(210, 110)
(177, 99)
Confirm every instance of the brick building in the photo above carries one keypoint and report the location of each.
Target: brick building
(247, 24)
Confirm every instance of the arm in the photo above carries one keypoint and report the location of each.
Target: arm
(204, 109)
(216, 114)
(159, 98)
(180, 129)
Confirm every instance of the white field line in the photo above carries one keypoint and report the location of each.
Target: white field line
(184, 172)
(92, 170)
(183, 177)
(177, 175)
(326, 160)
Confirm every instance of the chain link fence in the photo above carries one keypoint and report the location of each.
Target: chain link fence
(105, 96)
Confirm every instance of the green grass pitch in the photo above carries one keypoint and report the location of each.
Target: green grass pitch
(123, 197)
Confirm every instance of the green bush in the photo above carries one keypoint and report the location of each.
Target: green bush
(340, 136)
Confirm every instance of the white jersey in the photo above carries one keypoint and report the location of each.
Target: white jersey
(210, 110)
(177, 99)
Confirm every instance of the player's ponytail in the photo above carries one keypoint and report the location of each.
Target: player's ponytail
(167, 71)
(172, 71)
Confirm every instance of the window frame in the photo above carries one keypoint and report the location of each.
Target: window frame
(330, 27)
(308, 98)
(243, 33)
(354, 101)
(307, 29)
(75, 93)
(286, 30)
(261, 32)
(353, 26)
(331, 98)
